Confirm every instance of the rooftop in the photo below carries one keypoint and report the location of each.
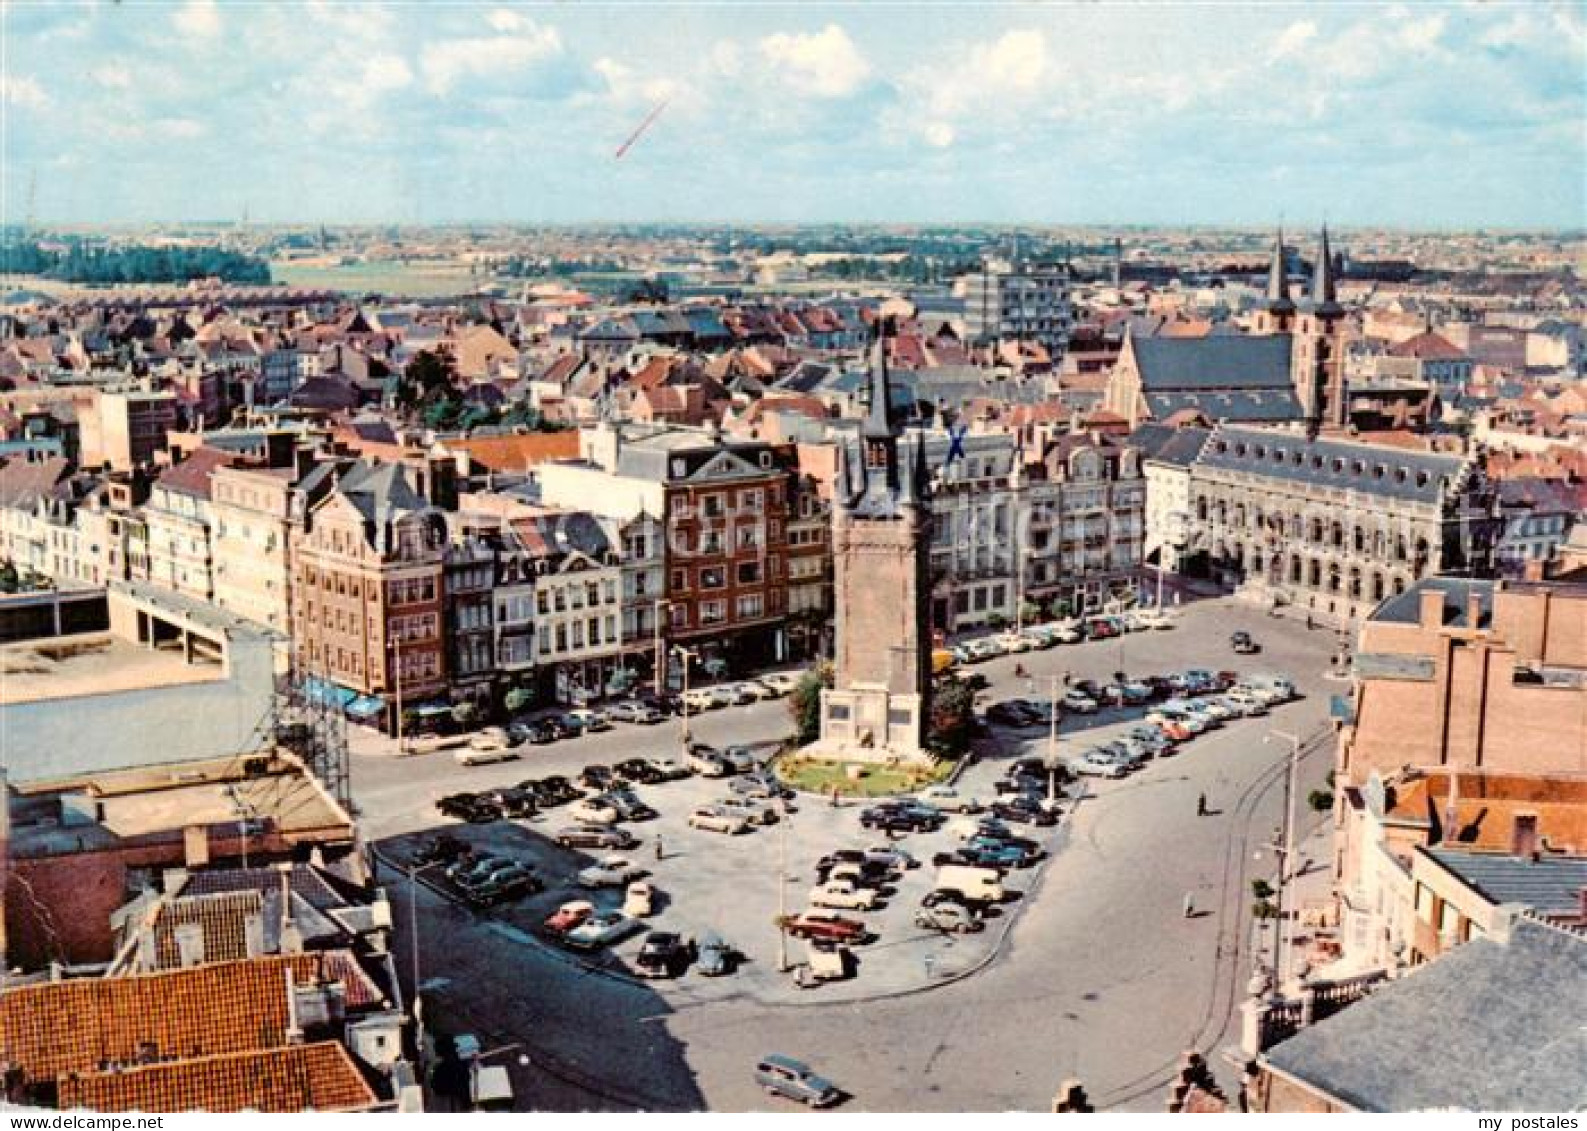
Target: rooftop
(1494, 1025)
(1550, 885)
(93, 663)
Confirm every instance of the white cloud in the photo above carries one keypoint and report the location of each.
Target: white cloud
(1017, 61)
(825, 64)
(521, 44)
(385, 72)
(940, 135)
(23, 90)
(505, 19)
(197, 18)
(1292, 39)
(180, 127)
(1423, 34)
(113, 76)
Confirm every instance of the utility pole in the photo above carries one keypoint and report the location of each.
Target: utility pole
(396, 683)
(661, 654)
(687, 655)
(782, 893)
(1052, 742)
(1286, 870)
(413, 944)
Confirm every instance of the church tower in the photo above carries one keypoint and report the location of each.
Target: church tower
(1317, 355)
(878, 707)
(1277, 313)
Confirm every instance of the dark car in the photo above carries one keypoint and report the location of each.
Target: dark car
(597, 777)
(469, 807)
(664, 954)
(595, 836)
(1024, 809)
(939, 896)
(639, 771)
(1242, 644)
(553, 791)
(537, 733)
(666, 704)
(871, 873)
(1020, 852)
(1013, 713)
(511, 881)
(628, 805)
(899, 820)
(440, 849)
(1002, 834)
(514, 801)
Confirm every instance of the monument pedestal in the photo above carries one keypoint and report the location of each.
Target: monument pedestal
(868, 723)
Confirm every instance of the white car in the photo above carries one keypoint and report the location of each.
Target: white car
(696, 701)
(594, 811)
(602, 929)
(948, 798)
(753, 810)
(1078, 703)
(610, 872)
(489, 745)
(590, 719)
(713, 818)
(782, 683)
(844, 895)
(1097, 766)
(1012, 642)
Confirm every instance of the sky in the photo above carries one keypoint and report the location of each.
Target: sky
(1423, 115)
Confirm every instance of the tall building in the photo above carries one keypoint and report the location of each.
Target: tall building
(1024, 301)
(881, 532)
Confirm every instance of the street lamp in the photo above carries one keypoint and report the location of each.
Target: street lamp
(688, 655)
(782, 892)
(413, 944)
(660, 603)
(1285, 872)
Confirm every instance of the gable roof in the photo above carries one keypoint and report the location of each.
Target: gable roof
(1368, 468)
(315, 1077)
(193, 475)
(1491, 1026)
(1231, 361)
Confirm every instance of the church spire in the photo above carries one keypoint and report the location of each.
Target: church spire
(1278, 278)
(879, 423)
(1322, 279)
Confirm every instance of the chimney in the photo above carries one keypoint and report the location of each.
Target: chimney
(1523, 835)
(189, 944)
(253, 935)
(1432, 608)
(1473, 609)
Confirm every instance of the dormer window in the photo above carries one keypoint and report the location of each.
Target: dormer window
(876, 454)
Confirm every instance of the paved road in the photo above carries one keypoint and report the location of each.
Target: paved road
(1103, 977)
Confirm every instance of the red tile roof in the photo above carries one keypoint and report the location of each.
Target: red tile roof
(1429, 347)
(518, 452)
(317, 1077)
(192, 476)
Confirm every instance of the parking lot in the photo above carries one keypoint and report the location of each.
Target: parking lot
(1092, 885)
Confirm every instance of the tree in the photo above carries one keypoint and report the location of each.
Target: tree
(465, 714)
(952, 722)
(427, 379)
(804, 705)
(1321, 800)
(517, 699)
(9, 581)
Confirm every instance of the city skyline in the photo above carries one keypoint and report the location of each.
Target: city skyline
(1041, 115)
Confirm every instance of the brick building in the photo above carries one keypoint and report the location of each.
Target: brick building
(368, 585)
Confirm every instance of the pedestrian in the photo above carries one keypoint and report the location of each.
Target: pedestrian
(660, 849)
(1308, 622)
(1201, 805)
(1190, 904)
(835, 791)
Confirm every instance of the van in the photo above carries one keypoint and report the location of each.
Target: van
(982, 884)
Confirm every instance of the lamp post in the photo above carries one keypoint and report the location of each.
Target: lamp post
(1285, 872)
(688, 655)
(396, 684)
(413, 944)
(782, 892)
(1052, 742)
(661, 603)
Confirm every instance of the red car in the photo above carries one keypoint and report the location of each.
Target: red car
(568, 916)
(829, 928)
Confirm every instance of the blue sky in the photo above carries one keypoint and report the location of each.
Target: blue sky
(1419, 115)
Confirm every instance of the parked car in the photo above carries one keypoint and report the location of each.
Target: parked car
(637, 771)
(639, 900)
(783, 1076)
(567, 722)
(484, 748)
(949, 799)
(1016, 852)
(894, 818)
(707, 762)
(554, 790)
(628, 805)
(1012, 642)
(1079, 703)
(729, 695)
(634, 711)
(468, 807)
(782, 683)
(536, 733)
(597, 777)
(594, 811)
(568, 916)
(715, 956)
(595, 836)
(713, 818)
(664, 954)
(510, 881)
(1014, 713)
(1092, 764)
(741, 758)
(949, 916)
(514, 801)
(698, 700)
(832, 928)
(668, 769)
(472, 869)
(602, 929)
(843, 894)
(439, 849)
(610, 872)
(892, 856)
(754, 810)
(1242, 643)
(757, 785)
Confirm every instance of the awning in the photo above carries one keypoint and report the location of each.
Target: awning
(431, 708)
(1341, 707)
(322, 691)
(366, 707)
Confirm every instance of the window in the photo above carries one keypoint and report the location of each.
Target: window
(713, 577)
(711, 506)
(713, 612)
(748, 537)
(749, 500)
(680, 580)
(711, 542)
(749, 573)
(750, 605)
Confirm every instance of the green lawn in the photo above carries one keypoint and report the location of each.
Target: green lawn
(813, 776)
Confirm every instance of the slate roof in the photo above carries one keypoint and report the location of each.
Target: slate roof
(379, 488)
(1255, 406)
(1490, 1026)
(1209, 363)
(24, 481)
(1406, 607)
(1343, 464)
(315, 1077)
(1551, 885)
(1162, 444)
